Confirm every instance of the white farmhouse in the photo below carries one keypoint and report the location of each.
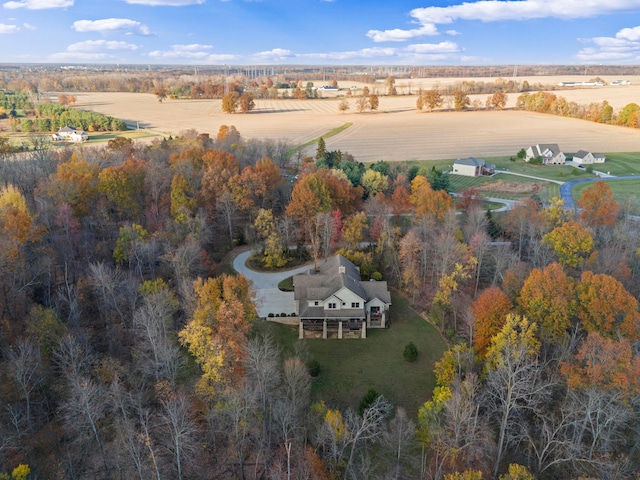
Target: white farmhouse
(472, 167)
(583, 157)
(550, 153)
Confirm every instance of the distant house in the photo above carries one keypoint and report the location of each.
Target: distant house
(583, 157)
(331, 300)
(473, 167)
(70, 134)
(550, 154)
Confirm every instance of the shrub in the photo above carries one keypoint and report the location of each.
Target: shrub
(368, 399)
(283, 314)
(410, 352)
(293, 314)
(313, 367)
(377, 276)
(277, 314)
(270, 315)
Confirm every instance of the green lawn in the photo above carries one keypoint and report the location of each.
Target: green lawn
(621, 164)
(350, 367)
(623, 190)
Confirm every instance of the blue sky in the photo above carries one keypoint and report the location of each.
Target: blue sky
(347, 32)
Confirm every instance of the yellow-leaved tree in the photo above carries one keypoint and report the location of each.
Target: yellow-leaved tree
(216, 334)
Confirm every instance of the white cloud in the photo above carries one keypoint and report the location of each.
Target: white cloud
(109, 25)
(97, 45)
(28, 26)
(4, 28)
(399, 35)
(442, 47)
(78, 57)
(274, 55)
(631, 34)
(193, 51)
(166, 3)
(38, 4)
(624, 47)
(499, 10)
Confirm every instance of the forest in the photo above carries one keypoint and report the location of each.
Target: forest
(129, 349)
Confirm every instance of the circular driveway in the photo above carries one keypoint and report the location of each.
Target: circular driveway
(269, 298)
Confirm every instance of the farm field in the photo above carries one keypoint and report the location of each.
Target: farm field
(396, 132)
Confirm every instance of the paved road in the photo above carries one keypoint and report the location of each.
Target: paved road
(567, 187)
(269, 298)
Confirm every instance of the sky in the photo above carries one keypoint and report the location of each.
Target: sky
(317, 32)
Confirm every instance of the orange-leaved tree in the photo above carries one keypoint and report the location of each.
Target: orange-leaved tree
(490, 311)
(597, 205)
(548, 298)
(605, 306)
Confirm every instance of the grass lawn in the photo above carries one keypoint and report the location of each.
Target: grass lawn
(350, 367)
(620, 164)
(623, 190)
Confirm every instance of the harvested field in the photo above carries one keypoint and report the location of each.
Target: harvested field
(394, 133)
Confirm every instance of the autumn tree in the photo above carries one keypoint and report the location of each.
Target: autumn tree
(374, 102)
(161, 94)
(343, 106)
(230, 102)
(76, 184)
(498, 100)
(571, 242)
(597, 207)
(490, 310)
(246, 103)
(548, 298)
(123, 187)
(216, 333)
(461, 100)
(374, 182)
(605, 306)
(432, 99)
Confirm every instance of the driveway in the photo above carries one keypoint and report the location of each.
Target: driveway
(269, 298)
(567, 188)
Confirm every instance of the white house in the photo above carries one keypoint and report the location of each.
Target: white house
(550, 154)
(583, 157)
(472, 167)
(70, 134)
(333, 300)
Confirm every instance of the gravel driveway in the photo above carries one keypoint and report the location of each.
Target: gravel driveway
(269, 299)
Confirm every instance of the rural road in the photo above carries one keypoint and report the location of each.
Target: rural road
(269, 298)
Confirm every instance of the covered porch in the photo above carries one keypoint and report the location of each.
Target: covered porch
(332, 328)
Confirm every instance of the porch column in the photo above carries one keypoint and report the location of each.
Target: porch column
(363, 334)
(324, 328)
(368, 319)
(383, 319)
(301, 331)
(340, 329)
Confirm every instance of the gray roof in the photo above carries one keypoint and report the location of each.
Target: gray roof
(581, 153)
(541, 147)
(67, 129)
(326, 280)
(473, 162)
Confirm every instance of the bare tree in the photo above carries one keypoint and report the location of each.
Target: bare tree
(24, 366)
(398, 438)
(158, 354)
(179, 429)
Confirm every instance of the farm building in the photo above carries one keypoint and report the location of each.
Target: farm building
(473, 167)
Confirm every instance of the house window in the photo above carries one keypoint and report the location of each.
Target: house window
(316, 303)
(331, 305)
(355, 304)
